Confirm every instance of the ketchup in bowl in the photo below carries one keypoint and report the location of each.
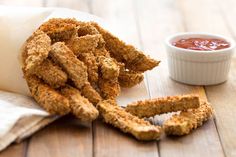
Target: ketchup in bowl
(201, 44)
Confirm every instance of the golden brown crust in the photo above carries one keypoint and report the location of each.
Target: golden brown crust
(80, 106)
(134, 59)
(152, 107)
(48, 98)
(60, 29)
(51, 74)
(92, 67)
(101, 52)
(35, 50)
(110, 89)
(109, 68)
(75, 69)
(90, 93)
(129, 78)
(83, 44)
(118, 117)
(186, 121)
(86, 28)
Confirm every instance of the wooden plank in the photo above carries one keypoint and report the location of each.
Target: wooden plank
(66, 137)
(220, 19)
(109, 141)
(15, 150)
(157, 20)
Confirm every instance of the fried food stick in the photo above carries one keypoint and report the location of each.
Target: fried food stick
(75, 69)
(80, 106)
(60, 29)
(110, 89)
(188, 120)
(90, 93)
(134, 59)
(152, 107)
(63, 28)
(108, 82)
(83, 44)
(109, 68)
(92, 67)
(35, 50)
(101, 52)
(129, 79)
(86, 28)
(48, 98)
(118, 117)
(51, 74)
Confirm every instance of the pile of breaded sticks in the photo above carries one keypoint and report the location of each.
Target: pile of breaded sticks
(78, 67)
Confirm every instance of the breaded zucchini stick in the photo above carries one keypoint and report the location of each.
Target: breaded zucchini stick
(152, 107)
(35, 50)
(118, 117)
(133, 59)
(86, 28)
(129, 79)
(92, 67)
(186, 121)
(108, 82)
(90, 93)
(51, 74)
(83, 44)
(109, 68)
(80, 106)
(110, 89)
(101, 52)
(48, 98)
(60, 29)
(75, 69)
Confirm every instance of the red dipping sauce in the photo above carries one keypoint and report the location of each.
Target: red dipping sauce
(201, 44)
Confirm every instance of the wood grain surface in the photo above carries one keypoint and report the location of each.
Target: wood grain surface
(146, 24)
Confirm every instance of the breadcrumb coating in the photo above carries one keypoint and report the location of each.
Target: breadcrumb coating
(80, 106)
(186, 121)
(109, 68)
(152, 107)
(92, 67)
(48, 98)
(90, 93)
(101, 52)
(36, 49)
(118, 117)
(51, 74)
(60, 29)
(75, 69)
(128, 79)
(110, 89)
(86, 28)
(83, 44)
(133, 59)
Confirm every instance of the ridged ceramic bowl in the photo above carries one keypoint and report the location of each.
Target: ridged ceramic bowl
(198, 67)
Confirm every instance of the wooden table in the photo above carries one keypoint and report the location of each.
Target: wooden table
(146, 23)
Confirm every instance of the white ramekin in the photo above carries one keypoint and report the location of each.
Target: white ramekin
(198, 67)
